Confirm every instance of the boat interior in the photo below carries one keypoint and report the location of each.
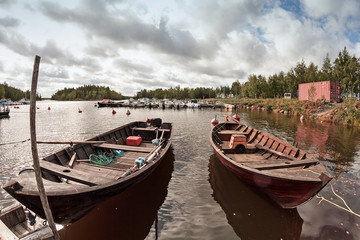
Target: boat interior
(74, 163)
(247, 146)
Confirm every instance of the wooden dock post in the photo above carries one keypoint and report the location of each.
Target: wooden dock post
(34, 150)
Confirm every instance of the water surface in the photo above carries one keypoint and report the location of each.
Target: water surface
(191, 195)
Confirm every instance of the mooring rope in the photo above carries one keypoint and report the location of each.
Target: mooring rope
(14, 166)
(18, 165)
(8, 143)
(348, 209)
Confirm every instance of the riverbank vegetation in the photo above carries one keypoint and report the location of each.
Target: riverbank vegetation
(15, 94)
(347, 112)
(86, 92)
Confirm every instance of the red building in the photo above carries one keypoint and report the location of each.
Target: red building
(329, 91)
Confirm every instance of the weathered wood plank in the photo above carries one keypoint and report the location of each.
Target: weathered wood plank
(281, 154)
(125, 147)
(72, 174)
(286, 164)
(6, 233)
(151, 129)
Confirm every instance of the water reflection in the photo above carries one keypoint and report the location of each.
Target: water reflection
(128, 215)
(337, 145)
(251, 214)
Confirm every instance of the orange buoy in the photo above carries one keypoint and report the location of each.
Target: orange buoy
(113, 111)
(214, 122)
(237, 117)
(128, 112)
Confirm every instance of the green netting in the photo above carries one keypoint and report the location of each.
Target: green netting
(102, 158)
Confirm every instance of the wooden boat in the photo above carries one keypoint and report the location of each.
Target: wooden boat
(288, 175)
(109, 103)
(74, 184)
(4, 114)
(16, 223)
(4, 111)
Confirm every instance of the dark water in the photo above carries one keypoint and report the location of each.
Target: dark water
(191, 195)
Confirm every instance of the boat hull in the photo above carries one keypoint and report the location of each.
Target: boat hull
(289, 186)
(69, 207)
(285, 192)
(4, 114)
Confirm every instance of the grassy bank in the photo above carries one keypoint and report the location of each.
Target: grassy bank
(347, 112)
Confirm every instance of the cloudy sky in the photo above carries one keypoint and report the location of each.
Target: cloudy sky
(131, 45)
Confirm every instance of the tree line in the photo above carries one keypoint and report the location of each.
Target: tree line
(86, 92)
(15, 94)
(344, 69)
(181, 93)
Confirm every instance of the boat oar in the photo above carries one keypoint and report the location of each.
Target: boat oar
(70, 142)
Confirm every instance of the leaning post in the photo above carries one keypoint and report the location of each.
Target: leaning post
(43, 197)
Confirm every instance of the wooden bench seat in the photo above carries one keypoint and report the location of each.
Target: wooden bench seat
(225, 132)
(285, 164)
(72, 174)
(125, 147)
(151, 129)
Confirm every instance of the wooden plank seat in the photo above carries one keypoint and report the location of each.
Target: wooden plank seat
(280, 154)
(125, 147)
(152, 129)
(231, 132)
(285, 164)
(72, 174)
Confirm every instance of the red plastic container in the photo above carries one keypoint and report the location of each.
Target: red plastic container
(133, 141)
(329, 91)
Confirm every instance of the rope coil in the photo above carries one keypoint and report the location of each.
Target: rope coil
(102, 158)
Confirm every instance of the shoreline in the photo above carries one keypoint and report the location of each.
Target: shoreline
(345, 113)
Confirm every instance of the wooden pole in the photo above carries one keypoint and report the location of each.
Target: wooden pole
(34, 150)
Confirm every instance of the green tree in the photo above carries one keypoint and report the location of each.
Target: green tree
(326, 73)
(2, 91)
(346, 71)
(312, 73)
(236, 88)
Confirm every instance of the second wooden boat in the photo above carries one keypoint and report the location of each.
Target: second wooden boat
(288, 175)
(4, 111)
(76, 178)
(19, 224)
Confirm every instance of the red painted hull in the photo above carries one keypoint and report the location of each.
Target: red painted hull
(283, 186)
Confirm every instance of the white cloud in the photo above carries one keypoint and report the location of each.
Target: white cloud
(131, 45)
(340, 9)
